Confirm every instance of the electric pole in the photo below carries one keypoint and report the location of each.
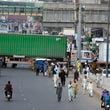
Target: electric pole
(79, 29)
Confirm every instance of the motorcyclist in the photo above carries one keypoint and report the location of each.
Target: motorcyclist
(8, 88)
(102, 97)
(106, 100)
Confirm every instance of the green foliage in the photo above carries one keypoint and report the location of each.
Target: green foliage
(88, 39)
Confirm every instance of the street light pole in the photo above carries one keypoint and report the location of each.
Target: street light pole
(107, 53)
(79, 29)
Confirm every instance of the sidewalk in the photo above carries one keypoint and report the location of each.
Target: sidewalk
(104, 83)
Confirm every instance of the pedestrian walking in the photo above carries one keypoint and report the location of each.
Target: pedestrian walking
(59, 92)
(85, 72)
(70, 91)
(86, 63)
(78, 65)
(98, 80)
(75, 88)
(88, 71)
(76, 75)
(56, 75)
(50, 70)
(84, 84)
(55, 80)
(37, 70)
(53, 67)
(90, 88)
(58, 70)
(94, 66)
(45, 68)
(62, 76)
(65, 70)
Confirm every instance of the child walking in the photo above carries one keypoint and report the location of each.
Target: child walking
(90, 88)
(84, 84)
(70, 91)
(75, 88)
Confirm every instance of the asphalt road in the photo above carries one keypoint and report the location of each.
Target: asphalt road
(33, 92)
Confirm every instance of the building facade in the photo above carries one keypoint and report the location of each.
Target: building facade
(57, 16)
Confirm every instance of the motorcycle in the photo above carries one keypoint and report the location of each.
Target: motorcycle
(8, 96)
(107, 107)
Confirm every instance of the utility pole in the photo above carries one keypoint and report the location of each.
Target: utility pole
(79, 29)
(107, 54)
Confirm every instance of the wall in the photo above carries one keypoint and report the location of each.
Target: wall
(65, 15)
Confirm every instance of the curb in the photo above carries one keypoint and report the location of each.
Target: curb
(96, 92)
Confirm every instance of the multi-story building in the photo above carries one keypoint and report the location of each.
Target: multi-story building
(57, 16)
(62, 13)
(20, 17)
(20, 8)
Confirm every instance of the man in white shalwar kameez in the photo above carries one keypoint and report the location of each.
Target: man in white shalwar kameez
(70, 91)
(90, 88)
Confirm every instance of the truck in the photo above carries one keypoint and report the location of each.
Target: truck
(20, 48)
(103, 54)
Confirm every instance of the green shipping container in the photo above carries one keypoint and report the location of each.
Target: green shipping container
(33, 45)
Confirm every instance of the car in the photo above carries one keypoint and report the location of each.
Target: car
(104, 72)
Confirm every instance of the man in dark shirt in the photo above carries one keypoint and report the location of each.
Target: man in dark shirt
(8, 88)
(59, 92)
